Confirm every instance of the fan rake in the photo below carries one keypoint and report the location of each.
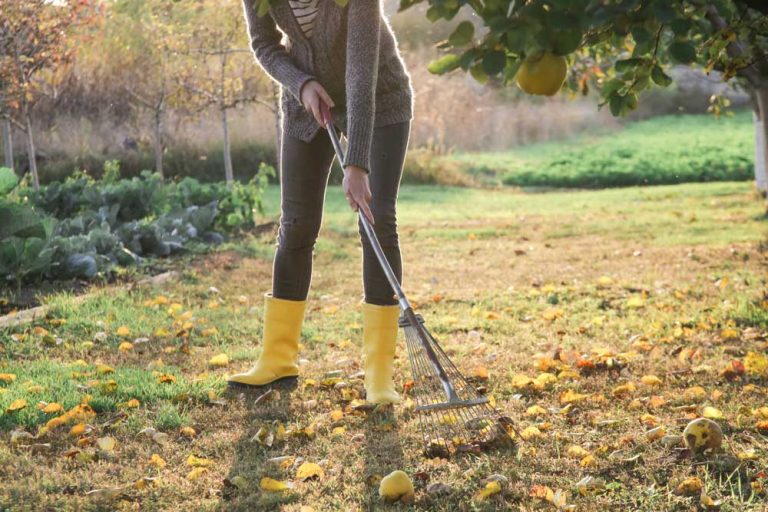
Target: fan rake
(453, 415)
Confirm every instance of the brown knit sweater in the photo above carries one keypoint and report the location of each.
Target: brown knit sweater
(352, 53)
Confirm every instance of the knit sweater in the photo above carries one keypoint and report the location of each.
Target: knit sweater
(352, 53)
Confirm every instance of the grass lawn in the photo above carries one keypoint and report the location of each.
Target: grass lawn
(566, 305)
(662, 150)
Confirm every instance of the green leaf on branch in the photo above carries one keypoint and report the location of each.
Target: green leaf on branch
(566, 41)
(659, 77)
(478, 74)
(683, 52)
(616, 103)
(494, 62)
(625, 65)
(444, 64)
(511, 68)
(681, 26)
(462, 35)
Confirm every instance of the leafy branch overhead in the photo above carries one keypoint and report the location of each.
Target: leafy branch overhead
(620, 48)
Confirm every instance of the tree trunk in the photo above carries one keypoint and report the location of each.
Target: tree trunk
(159, 143)
(228, 175)
(761, 139)
(31, 152)
(7, 143)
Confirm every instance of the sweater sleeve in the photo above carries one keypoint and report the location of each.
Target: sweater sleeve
(363, 39)
(270, 52)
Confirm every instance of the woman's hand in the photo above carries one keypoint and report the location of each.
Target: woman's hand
(312, 93)
(357, 190)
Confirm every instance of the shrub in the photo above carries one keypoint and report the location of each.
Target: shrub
(82, 228)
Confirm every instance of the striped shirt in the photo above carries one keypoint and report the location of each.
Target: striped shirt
(305, 12)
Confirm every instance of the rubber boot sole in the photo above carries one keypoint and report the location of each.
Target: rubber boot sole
(289, 382)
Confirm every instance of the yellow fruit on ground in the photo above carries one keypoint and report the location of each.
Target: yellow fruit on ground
(396, 486)
(543, 76)
(703, 434)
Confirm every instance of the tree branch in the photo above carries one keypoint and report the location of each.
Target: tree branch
(734, 48)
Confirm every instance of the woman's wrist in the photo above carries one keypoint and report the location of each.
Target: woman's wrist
(355, 169)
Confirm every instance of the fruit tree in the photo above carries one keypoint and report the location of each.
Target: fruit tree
(617, 47)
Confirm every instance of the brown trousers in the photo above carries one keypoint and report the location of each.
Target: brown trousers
(303, 180)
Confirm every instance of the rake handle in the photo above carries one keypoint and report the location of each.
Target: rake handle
(405, 306)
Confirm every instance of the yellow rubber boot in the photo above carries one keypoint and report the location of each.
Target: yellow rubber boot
(379, 337)
(280, 345)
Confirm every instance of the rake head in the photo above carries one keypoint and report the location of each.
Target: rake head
(453, 415)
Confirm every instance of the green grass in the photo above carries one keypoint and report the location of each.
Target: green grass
(486, 269)
(663, 150)
(692, 214)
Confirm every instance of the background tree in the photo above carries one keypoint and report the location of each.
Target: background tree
(144, 39)
(220, 71)
(33, 39)
(619, 48)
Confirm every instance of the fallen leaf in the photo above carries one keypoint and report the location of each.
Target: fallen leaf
(712, 413)
(269, 484)
(106, 444)
(123, 331)
(489, 490)
(16, 405)
(689, 486)
(157, 461)
(196, 473)
(309, 470)
(219, 360)
(199, 461)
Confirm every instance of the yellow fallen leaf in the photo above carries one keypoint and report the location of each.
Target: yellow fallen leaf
(694, 394)
(52, 408)
(210, 331)
(530, 433)
(132, 403)
(690, 486)
(166, 378)
(544, 380)
(576, 452)
(756, 364)
(603, 281)
(106, 444)
(188, 432)
(123, 331)
(491, 488)
(655, 434)
(77, 430)
(624, 390)
(157, 461)
(104, 369)
(651, 380)
(196, 473)
(16, 405)
(199, 461)
(571, 397)
(336, 415)
(7, 377)
(520, 381)
(35, 388)
(552, 314)
(588, 462)
(309, 470)
(712, 413)
(635, 302)
(219, 360)
(535, 411)
(338, 431)
(270, 484)
(125, 346)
